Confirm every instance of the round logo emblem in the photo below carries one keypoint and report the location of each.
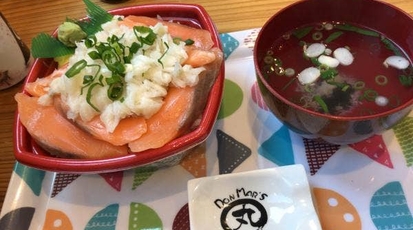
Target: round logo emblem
(244, 214)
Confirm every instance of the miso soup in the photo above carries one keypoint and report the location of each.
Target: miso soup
(339, 69)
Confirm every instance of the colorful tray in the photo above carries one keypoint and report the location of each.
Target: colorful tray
(368, 185)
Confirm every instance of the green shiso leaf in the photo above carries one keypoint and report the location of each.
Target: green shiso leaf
(46, 46)
(97, 17)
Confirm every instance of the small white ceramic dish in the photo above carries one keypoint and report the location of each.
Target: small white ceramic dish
(275, 198)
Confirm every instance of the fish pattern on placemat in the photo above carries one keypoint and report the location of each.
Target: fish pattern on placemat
(389, 208)
(105, 219)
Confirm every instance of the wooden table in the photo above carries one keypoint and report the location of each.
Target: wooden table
(28, 18)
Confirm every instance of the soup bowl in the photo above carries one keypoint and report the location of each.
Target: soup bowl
(325, 22)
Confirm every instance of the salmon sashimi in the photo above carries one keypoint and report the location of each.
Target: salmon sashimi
(202, 38)
(168, 122)
(58, 135)
(41, 85)
(198, 57)
(182, 106)
(128, 129)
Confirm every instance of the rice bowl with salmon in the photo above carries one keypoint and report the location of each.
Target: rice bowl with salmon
(134, 86)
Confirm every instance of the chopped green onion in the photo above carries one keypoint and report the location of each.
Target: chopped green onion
(268, 60)
(321, 102)
(381, 80)
(333, 36)
(317, 35)
(76, 68)
(115, 91)
(300, 33)
(390, 46)
(89, 96)
(338, 84)
(133, 49)
(308, 88)
(94, 55)
(90, 41)
(323, 67)
(359, 85)
(116, 45)
(289, 83)
(348, 27)
(149, 37)
(87, 79)
(167, 48)
(328, 73)
(113, 79)
(314, 61)
(406, 80)
(113, 61)
(189, 42)
(370, 95)
(345, 88)
(176, 40)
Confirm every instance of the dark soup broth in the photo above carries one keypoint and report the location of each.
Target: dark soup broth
(339, 69)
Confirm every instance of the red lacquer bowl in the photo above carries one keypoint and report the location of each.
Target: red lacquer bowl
(29, 153)
(375, 15)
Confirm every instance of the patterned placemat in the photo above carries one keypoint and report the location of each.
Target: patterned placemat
(368, 185)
